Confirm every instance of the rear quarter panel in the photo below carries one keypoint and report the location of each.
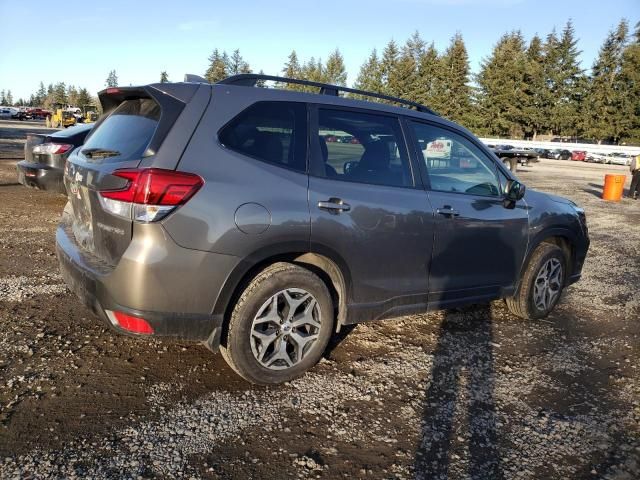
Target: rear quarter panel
(208, 221)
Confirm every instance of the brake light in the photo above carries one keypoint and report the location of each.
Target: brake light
(52, 148)
(150, 194)
(130, 323)
(113, 90)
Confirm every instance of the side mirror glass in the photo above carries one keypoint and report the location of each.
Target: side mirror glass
(515, 190)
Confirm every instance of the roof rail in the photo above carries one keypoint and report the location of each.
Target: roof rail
(251, 79)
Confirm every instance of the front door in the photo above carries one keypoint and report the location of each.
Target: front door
(479, 244)
(366, 211)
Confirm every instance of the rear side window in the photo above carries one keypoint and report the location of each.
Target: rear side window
(126, 132)
(274, 132)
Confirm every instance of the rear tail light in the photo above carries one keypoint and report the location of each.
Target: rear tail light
(150, 194)
(52, 148)
(130, 323)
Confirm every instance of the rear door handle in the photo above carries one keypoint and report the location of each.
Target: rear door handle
(334, 205)
(447, 211)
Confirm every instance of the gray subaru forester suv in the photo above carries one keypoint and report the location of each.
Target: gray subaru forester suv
(261, 220)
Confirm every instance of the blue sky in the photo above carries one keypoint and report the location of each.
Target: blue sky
(78, 42)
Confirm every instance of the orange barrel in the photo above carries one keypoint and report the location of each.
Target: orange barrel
(613, 187)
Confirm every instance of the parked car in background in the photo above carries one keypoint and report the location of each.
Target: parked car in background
(618, 158)
(9, 112)
(595, 157)
(578, 155)
(560, 154)
(543, 152)
(39, 113)
(45, 156)
(261, 238)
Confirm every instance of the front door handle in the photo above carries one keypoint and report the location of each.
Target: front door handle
(447, 211)
(334, 205)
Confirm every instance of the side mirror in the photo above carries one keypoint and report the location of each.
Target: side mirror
(514, 191)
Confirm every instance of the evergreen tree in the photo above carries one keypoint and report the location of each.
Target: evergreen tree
(606, 119)
(566, 82)
(388, 66)
(9, 98)
(72, 96)
(292, 69)
(502, 87)
(334, 70)
(60, 94)
(402, 78)
(630, 84)
(84, 98)
(455, 81)
(313, 70)
(32, 101)
(112, 79)
(3, 98)
(164, 77)
(535, 88)
(416, 47)
(236, 64)
(41, 94)
(217, 67)
(428, 79)
(370, 75)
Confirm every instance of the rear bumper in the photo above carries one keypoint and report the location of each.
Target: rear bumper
(41, 176)
(93, 284)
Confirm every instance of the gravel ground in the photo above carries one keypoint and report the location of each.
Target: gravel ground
(470, 393)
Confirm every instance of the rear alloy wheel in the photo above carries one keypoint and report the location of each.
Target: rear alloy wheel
(542, 283)
(285, 329)
(280, 325)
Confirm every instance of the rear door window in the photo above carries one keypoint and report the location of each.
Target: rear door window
(363, 147)
(274, 132)
(125, 134)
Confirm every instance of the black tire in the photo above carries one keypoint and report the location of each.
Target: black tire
(237, 350)
(522, 303)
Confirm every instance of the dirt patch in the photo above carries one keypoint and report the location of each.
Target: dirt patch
(472, 393)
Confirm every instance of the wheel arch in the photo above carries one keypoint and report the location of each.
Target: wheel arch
(560, 236)
(331, 270)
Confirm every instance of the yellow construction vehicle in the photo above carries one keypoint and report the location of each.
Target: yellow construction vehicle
(61, 117)
(89, 113)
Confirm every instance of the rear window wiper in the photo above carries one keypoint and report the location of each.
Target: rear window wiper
(99, 152)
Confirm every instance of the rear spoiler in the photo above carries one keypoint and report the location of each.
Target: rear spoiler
(172, 98)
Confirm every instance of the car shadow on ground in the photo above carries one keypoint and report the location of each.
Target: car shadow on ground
(462, 383)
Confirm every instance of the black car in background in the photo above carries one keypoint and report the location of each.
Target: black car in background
(560, 154)
(45, 156)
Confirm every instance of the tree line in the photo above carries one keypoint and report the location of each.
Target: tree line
(48, 97)
(523, 89)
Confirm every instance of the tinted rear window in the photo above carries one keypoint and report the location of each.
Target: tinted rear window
(127, 130)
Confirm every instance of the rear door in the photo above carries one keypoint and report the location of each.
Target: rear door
(136, 131)
(479, 244)
(366, 210)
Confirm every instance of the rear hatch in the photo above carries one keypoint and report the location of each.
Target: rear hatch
(130, 134)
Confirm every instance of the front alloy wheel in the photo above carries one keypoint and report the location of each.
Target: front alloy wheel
(548, 284)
